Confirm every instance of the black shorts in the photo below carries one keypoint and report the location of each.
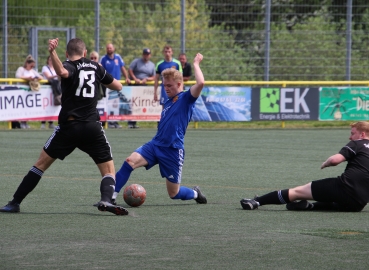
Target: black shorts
(87, 136)
(331, 190)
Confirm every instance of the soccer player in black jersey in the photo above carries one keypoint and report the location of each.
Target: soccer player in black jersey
(79, 125)
(348, 192)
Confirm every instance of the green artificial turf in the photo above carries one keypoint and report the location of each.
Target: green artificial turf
(58, 228)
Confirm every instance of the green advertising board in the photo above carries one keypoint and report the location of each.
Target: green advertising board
(344, 103)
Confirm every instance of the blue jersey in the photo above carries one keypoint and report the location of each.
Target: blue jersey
(162, 65)
(113, 66)
(176, 115)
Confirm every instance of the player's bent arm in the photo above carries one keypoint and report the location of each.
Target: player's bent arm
(58, 66)
(156, 83)
(125, 72)
(199, 77)
(333, 161)
(115, 85)
(132, 75)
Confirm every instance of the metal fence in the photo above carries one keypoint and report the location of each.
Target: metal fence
(240, 39)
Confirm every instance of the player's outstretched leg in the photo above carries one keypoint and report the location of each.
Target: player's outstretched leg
(29, 182)
(121, 179)
(274, 197)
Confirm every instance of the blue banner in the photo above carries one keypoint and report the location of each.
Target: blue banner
(223, 104)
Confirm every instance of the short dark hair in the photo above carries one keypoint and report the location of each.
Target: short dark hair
(76, 46)
(167, 47)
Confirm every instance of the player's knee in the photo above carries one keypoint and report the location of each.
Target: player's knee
(174, 196)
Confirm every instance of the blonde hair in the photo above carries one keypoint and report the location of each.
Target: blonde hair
(171, 73)
(29, 59)
(361, 126)
(94, 53)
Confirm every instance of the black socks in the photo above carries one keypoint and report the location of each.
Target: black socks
(29, 182)
(107, 188)
(275, 197)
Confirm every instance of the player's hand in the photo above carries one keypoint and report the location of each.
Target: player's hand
(198, 58)
(53, 43)
(155, 97)
(128, 81)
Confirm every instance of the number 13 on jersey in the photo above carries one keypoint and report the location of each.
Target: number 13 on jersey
(87, 79)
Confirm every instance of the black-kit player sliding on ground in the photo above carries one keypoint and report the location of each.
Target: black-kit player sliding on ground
(78, 124)
(347, 192)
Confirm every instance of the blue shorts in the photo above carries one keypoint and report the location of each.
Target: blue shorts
(163, 96)
(170, 160)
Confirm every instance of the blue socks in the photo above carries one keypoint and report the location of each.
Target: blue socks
(184, 194)
(122, 176)
(124, 173)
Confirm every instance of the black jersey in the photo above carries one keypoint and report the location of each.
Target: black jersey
(355, 178)
(187, 70)
(80, 89)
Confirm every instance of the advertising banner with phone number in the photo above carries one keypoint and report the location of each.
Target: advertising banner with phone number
(344, 103)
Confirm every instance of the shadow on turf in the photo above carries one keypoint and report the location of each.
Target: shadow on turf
(156, 205)
(304, 212)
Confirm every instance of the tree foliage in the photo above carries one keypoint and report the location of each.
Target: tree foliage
(316, 52)
(308, 37)
(145, 27)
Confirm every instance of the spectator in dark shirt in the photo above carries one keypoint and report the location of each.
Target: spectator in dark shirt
(186, 67)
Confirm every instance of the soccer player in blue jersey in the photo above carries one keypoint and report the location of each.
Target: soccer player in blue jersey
(167, 146)
(168, 62)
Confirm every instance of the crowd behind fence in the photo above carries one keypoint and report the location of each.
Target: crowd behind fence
(240, 39)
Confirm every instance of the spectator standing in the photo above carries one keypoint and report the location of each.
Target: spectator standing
(49, 73)
(167, 62)
(28, 73)
(141, 70)
(114, 64)
(94, 56)
(186, 67)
